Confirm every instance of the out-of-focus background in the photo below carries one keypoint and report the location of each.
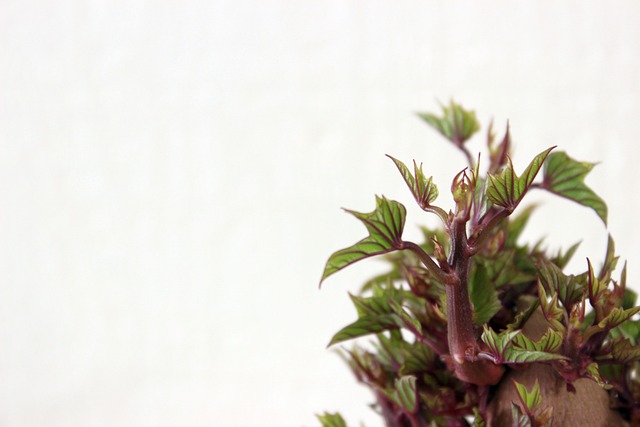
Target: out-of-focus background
(171, 175)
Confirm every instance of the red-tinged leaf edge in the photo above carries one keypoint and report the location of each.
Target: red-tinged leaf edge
(405, 394)
(564, 176)
(385, 225)
(506, 189)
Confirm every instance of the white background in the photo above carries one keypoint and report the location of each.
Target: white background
(171, 175)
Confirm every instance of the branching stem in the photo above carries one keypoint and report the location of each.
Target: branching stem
(428, 262)
(439, 212)
(461, 336)
(482, 232)
(463, 344)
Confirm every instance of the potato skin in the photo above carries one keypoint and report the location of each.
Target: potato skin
(588, 406)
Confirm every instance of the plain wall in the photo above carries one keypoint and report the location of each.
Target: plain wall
(171, 175)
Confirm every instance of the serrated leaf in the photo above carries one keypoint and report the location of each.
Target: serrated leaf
(595, 286)
(502, 268)
(422, 188)
(391, 350)
(331, 420)
(383, 279)
(365, 326)
(419, 358)
(405, 394)
(550, 308)
(506, 189)
(567, 288)
(624, 352)
(407, 320)
(530, 410)
(562, 259)
(385, 225)
(456, 124)
(515, 354)
(617, 316)
(519, 418)
(611, 261)
(565, 177)
(498, 343)
(370, 306)
(550, 342)
(379, 303)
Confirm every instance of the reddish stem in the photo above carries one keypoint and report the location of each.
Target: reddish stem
(463, 344)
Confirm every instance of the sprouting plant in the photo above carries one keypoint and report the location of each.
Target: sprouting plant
(470, 325)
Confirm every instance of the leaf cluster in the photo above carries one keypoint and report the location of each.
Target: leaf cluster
(413, 364)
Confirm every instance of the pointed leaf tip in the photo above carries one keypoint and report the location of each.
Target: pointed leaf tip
(422, 188)
(385, 225)
(331, 420)
(506, 189)
(405, 394)
(564, 176)
(456, 124)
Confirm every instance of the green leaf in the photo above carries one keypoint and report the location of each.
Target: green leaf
(478, 420)
(597, 292)
(617, 316)
(567, 288)
(522, 317)
(611, 261)
(366, 325)
(506, 189)
(456, 124)
(515, 354)
(498, 343)
(550, 308)
(544, 417)
(531, 402)
(517, 225)
(385, 225)
(419, 358)
(391, 350)
(530, 399)
(377, 304)
(565, 177)
(483, 295)
(594, 373)
(550, 342)
(363, 363)
(562, 259)
(519, 418)
(331, 420)
(498, 155)
(422, 188)
(624, 352)
(407, 320)
(502, 268)
(405, 394)
(629, 329)
(629, 299)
